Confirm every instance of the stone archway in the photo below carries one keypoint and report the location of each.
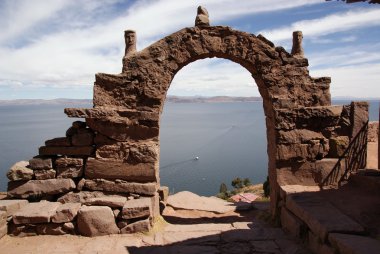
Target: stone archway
(117, 149)
(140, 90)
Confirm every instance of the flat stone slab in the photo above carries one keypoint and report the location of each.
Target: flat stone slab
(40, 212)
(40, 187)
(66, 212)
(137, 208)
(354, 244)
(111, 201)
(199, 227)
(12, 205)
(320, 216)
(96, 221)
(121, 186)
(190, 201)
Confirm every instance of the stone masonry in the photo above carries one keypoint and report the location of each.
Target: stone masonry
(109, 163)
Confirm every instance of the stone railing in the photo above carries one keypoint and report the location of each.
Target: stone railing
(353, 158)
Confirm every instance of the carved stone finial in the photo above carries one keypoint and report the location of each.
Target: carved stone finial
(297, 49)
(130, 42)
(202, 18)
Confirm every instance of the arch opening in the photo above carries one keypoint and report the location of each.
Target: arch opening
(206, 141)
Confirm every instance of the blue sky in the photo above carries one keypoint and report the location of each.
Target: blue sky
(52, 49)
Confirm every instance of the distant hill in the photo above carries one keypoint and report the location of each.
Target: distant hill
(45, 102)
(214, 99)
(170, 99)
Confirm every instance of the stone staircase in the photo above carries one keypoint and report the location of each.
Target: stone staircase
(343, 220)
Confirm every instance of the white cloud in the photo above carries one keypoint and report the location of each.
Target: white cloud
(78, 43)
(214, 77)
(355, 80)
(327, 25)
(345, 56)
(18, 16)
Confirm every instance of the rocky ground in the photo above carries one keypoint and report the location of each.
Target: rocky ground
(213, 227)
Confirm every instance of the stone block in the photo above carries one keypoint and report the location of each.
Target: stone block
(346, 243)
(292, 224)
(65, 162)
(302, 152)
(70, 172)
(320, 216)
(40, 163)
(373, 131)
(79, 197)
(12, 205)
(314, 118)
(108, 169)
(44, 174)
(299, 136)
(96, 221)
(359, 116)
(338, 146)
(136, 227)
(111, 201)
(21, 189)
(306, 173)
(163, 191)
(123, 130)
(66, 212)
(85, 138)
(120, 186)
(20, 171)
(63, 141)
(137, 208)
(32, 213)
(69, 151)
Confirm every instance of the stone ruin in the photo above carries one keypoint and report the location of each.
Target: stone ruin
(102, 177)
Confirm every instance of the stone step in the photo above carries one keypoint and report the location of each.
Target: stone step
(354, 244)
(32, 213)
(320, 216)
(12, 205)
(367, 180)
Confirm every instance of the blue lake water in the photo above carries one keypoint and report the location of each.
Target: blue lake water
(228, 138)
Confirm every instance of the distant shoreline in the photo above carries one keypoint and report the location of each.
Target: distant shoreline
(170, 99)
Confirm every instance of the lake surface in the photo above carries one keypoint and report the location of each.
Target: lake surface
(228, 138)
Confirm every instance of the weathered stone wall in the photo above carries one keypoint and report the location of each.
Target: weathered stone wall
(116, 151)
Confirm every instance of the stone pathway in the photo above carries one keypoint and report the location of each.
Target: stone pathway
(231, 233)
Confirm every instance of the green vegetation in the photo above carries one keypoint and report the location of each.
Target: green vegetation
(241, 185)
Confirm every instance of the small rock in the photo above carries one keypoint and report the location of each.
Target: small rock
(96, 221)
(66, 213)
(40, 212)
(163, 191)
(20, 171)
(136, 208)
(44, 174)
(111, 201)
(136, 227)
